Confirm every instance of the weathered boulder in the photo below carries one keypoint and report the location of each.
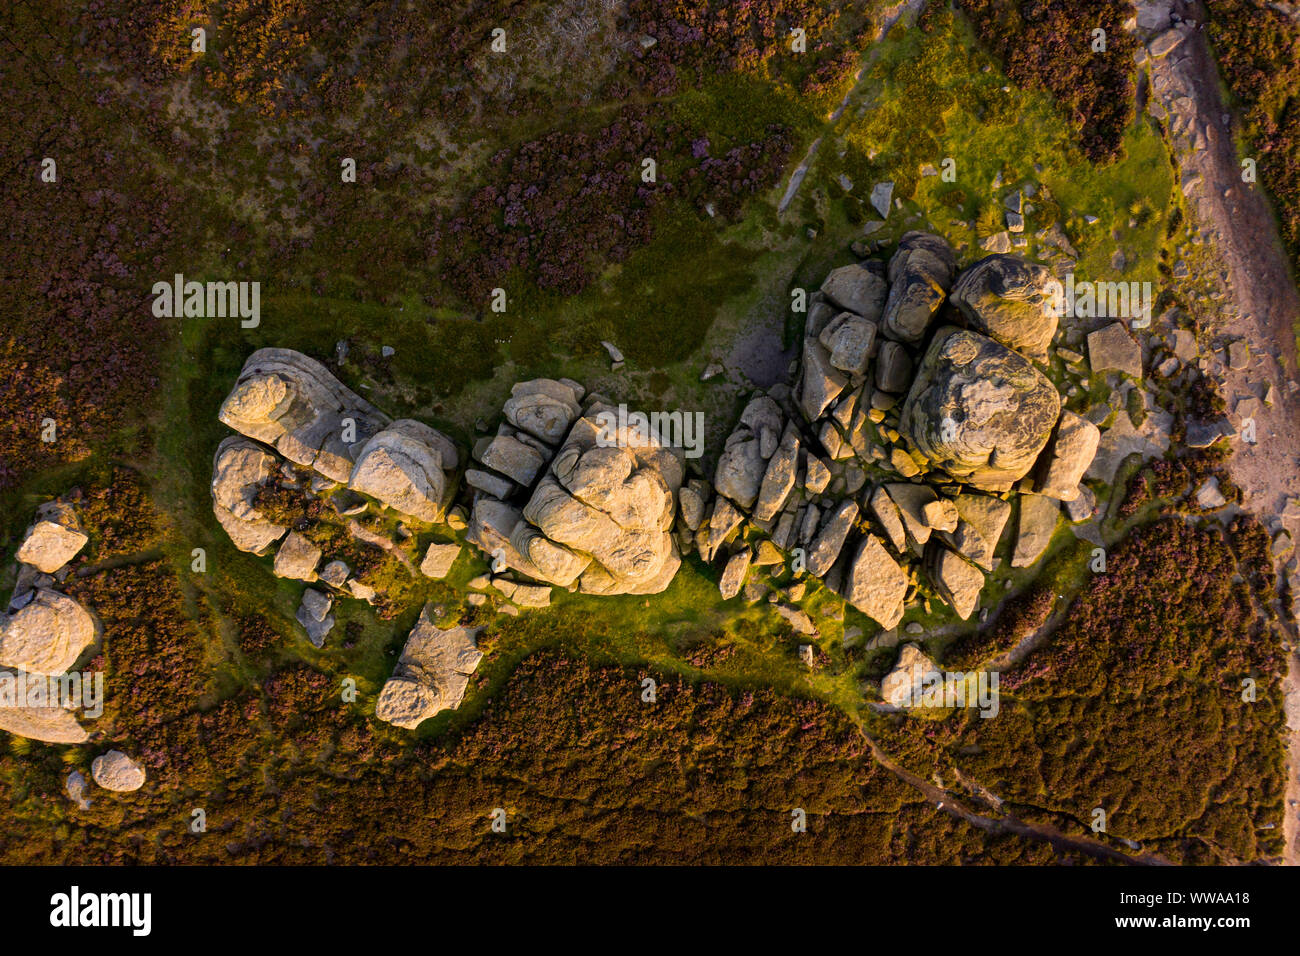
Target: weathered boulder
(903, 686)
(851, 340)
(431, 675)
(438, 560)
(857, 289)
(544, 408)
(940, 515)
(1011, 301)
(875, 584)
(407, 467)
(893, 368)
(821, 382)
(886, 512)
(314, 615)
(1067, 456)
(1038, 517)
(47, 635)
(116, 771)
(733, 575)
(830, 538)
(609, 497)
(920, 274)
(978, 410)
(517, 460)
(911, 501)
(297, 558)
(981, 519)
(292, 403)
(957, 582)
(239, 470)
(779, 477)
(740, 470)
(54, 539)
(50, 724)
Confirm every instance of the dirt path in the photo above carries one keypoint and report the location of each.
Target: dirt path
(1239, 230)
(946, 801)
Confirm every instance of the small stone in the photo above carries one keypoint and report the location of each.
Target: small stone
(116, 771)
(438, 560)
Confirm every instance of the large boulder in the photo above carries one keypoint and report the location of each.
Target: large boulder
(431, 675)
(1011, 301)
(609, 499)
(47, 635)
(857, 289)
(54, 539)
(920, 274)
(291, 402)
(957, 582)
(239, 470)
(978, 410)
(50, 724)
(407, 467)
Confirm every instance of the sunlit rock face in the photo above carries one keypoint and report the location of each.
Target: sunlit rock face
(978, 410)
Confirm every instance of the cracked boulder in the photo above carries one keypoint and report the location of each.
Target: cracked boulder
(239, 470)
(291, 402)
(920, 274)
(1012, 301)
(978, 410)
(431, 675)
(407, 466)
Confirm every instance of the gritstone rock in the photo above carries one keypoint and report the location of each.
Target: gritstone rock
(431, 675)
(1011, 301)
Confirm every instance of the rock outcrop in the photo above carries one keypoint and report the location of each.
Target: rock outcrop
(291, 402)
(431, 675)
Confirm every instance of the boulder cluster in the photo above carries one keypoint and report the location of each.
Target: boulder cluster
(918, 418)
(567, 495)
(44, 632)
(291, 414)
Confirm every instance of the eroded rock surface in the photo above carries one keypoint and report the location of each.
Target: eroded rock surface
(431, 675)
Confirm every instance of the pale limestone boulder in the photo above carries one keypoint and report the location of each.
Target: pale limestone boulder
(297, 558)
(830, 538)
(1068, 455)
(240, 469)
(1038, 517)
(958, 582)
(903, 686)
(47, 635)
(438, 560)
(733, 575)
(544, 408)
(875, 583)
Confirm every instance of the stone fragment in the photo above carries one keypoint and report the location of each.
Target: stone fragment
(297, 558)
(432, 674)
(1067, 457)
(1113, 348)
(733, 575)
(1038, 517)
(875, 584)
(116, 771)
(903, 686)
(54, 539)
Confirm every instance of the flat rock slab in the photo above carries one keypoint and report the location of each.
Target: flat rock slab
(1113, 348)
(431, 675)
(1038, 517)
